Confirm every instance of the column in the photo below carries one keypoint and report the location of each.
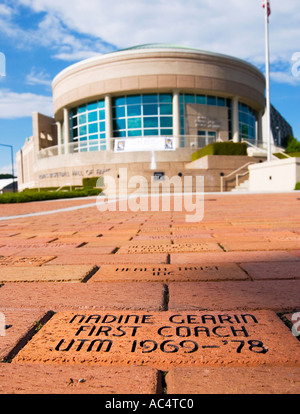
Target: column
(176, 117)
(66, 131)
(259, 135)
(59, 139)
(108, 124)
(235, 119)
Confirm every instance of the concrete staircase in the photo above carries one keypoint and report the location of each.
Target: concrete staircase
(241, 188)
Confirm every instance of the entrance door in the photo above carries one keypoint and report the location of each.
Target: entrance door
(206, 137)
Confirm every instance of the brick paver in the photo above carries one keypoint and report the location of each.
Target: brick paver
(162, 305)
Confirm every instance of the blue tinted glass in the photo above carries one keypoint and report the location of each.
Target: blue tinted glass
(119, 124)
(92, 106)
(82, 109)
(92, 116)
(150, 109)
(166, 122)
(136, 99)
(135, 133)
(181, 98)
(93, 148)
(82, 130)
(150, 99)
(165, 97)
(93, 128)
(82, 119)
(189, 98)
(201, 99)
(73, 122)
(151, 122)
(134, 110)
(101, 104)
(166, 132)
(120, 134)
(102, 126)
(102, 136)
(211, 100)
(118, 101)
(103, 147)
(102, 115)
(73, 112)
(221, 102)
(75, 133)
(119, 112)
(150, 132)
(93, 137)
(83, 139)
(134, 123)
(166, 109)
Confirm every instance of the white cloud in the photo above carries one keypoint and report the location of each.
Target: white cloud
(19, 105)
(75, 30)
(38, 77)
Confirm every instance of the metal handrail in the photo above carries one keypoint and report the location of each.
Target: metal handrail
(232, 173)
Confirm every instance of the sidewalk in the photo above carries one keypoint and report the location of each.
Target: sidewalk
(145, 303)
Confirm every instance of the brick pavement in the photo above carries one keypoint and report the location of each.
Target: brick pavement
(145, 302)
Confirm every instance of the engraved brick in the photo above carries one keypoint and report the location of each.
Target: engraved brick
(25, 261)
(169, 248)
(163, 339)
(168, 273)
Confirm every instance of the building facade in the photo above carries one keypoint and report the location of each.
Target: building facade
(123, 108)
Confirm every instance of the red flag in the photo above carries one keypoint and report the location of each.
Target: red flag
(268, 6)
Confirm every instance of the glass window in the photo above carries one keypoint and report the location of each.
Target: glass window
(135, 133)
(150, 98)
(119, 112)
(136, 99)
(119, 124)
(150, 122)
(102, 115)
(93, 128)
(93, 116)
(102, 126)
(92, 106)
(166, 109)
(101, 104)
(165, 98)
(134, 123)
(166, 131)
(189, 98)
(150, 109)
(201, 99)
(134, 110)
(81, 109)
(82, 119)
(211, 100)
(166, 122)
(119, 101)
(82, 130)
(151, 132)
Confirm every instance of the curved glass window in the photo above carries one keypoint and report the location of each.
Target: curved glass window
(87, 124)
(142, 115)
(247, 122)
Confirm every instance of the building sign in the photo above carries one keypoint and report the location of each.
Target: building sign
(144, 144)
(205, 122)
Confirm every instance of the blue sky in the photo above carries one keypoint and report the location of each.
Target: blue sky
(41, 37)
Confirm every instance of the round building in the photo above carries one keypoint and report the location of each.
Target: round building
(147, 109)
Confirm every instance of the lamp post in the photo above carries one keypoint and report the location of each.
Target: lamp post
(12, 164)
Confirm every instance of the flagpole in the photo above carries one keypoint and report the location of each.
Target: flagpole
(268, 103)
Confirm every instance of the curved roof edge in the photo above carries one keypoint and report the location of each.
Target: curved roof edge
(152, 47)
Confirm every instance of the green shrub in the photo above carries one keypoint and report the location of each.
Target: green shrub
(293, 145)
(221, 148)
(91, 182)
(29, 196)
(297, 187)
